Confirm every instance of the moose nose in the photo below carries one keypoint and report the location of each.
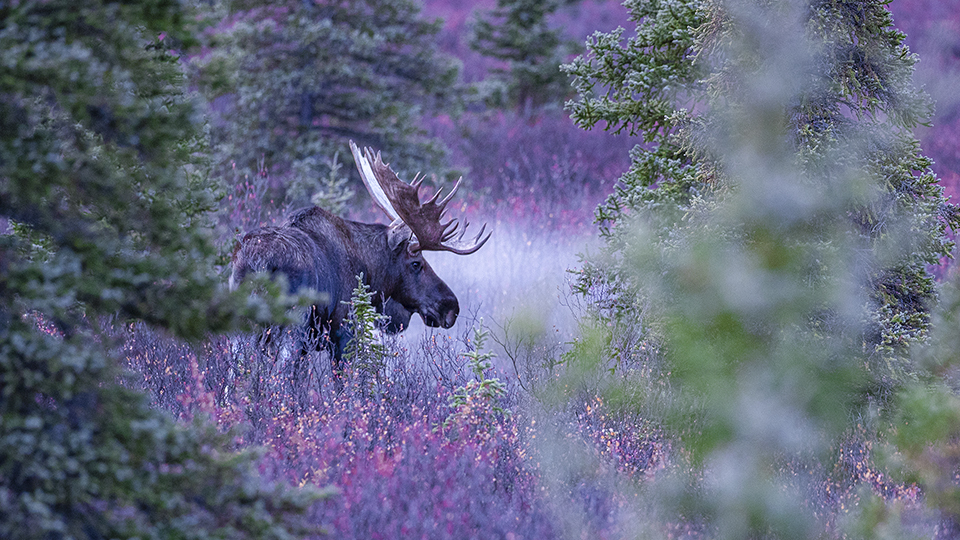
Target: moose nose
(449, 311)
(450, 317)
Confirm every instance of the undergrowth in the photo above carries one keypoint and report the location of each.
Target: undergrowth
(432, 440)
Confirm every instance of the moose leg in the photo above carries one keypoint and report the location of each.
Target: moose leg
(341, 336)
(337, 339)
(320, 335)
(309, 341)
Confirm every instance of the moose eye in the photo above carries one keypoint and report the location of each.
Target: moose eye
(416, 265)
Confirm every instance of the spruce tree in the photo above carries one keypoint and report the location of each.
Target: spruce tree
(518, 33)
(105, 218)
(851, 123)
(291, 82)
(774, 233)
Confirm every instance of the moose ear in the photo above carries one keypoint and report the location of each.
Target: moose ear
(398, 237)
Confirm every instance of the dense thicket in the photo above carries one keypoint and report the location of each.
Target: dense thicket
(105, 221)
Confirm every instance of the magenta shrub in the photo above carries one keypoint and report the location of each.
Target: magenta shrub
(407, 478)
(406, 459)
(379, 441)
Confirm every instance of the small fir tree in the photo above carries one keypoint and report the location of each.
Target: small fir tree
(476, 404)
(364, 350)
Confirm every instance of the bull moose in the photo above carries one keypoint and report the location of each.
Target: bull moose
(318, 250)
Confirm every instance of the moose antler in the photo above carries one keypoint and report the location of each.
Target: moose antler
(401, 201)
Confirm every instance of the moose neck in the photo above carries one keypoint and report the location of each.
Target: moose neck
(373, 251)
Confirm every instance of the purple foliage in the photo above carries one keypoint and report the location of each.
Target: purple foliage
(407, 478)
(634, 445)
(379, 441)
(406, 459)
(540, 170)
(544, 172)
